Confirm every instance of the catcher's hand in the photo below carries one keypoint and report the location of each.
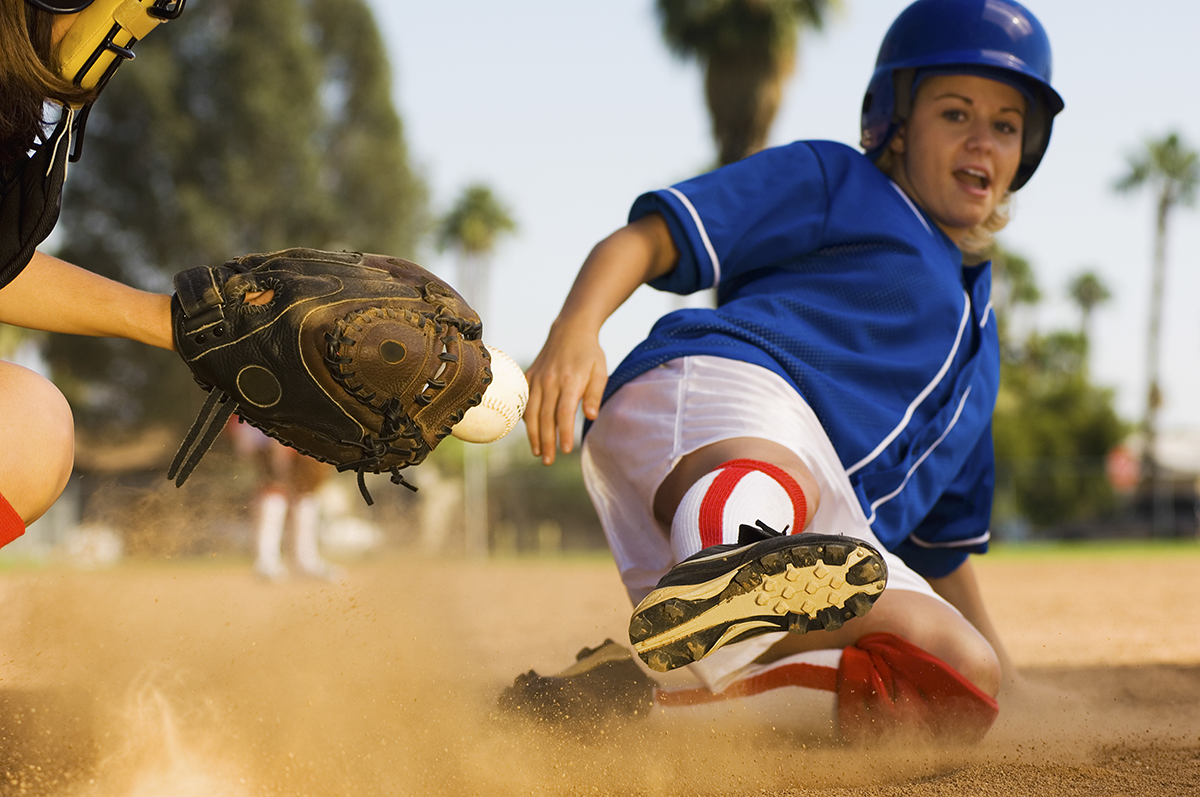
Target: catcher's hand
(362, 361)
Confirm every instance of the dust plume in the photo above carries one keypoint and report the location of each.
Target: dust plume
(193, 677)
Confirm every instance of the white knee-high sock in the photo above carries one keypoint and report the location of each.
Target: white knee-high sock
(305, 514)
(272, 512)
(741, 491)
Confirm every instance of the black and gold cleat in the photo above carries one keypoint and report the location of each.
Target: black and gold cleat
(604, 683)
(729, 593)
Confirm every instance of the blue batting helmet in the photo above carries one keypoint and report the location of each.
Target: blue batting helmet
(999, 38)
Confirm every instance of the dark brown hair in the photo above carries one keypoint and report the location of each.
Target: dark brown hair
(27, 77)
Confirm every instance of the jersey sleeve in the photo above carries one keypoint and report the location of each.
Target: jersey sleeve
(959, 522)
(757, 213)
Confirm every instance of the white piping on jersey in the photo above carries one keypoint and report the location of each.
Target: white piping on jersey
(913, 207)
(962, 325)
(986, 313)
(65, 134)
(982, 538)
(953, 421)
(708, 247)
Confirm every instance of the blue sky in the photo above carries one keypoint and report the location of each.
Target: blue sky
(570, 110)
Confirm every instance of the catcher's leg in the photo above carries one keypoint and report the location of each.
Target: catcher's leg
(37, 447)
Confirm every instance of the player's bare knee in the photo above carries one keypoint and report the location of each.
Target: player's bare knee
(39, 433)
(970, 655)
(938, 630)
(980, 665)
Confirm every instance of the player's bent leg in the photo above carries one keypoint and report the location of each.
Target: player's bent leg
(930, 624)
(796, 694)
(37, 443)
(709, 459)
(743, 570)
(913, 668)
(737, 492)
(733, 592)
(879, 688)
(889, 687)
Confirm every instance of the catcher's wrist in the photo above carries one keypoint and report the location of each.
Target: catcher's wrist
(158, 330)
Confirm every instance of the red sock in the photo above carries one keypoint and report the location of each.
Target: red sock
(11, 525)
(888, 686)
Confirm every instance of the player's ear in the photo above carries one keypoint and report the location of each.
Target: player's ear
(898, 143)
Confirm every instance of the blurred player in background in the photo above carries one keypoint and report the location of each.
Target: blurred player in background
(41, 112)
(286, 500)
(843, 388)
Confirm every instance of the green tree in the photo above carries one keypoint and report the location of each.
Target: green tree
(1052, 427)
(472, 228)
(1088, 291)
(244, 126)
(1014, 287)
(1171, 169)
(748, 51)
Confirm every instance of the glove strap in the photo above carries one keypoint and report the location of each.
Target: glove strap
(211, 420)
(199, 299)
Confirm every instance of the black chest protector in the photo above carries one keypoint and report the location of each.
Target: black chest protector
(30, 198)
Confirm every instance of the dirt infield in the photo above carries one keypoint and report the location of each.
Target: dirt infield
(195, 678)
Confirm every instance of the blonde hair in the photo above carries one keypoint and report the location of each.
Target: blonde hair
(979, 241)
(27, 77)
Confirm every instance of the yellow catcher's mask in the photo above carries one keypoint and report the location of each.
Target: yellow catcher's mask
(102, 35)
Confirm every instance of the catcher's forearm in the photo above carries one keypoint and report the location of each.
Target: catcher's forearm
(55, 296)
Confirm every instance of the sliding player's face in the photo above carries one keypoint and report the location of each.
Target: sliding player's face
(959, 150)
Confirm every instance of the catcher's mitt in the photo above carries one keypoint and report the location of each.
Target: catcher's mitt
(362, 361)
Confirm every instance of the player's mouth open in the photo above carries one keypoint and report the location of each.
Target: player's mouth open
(974, 178)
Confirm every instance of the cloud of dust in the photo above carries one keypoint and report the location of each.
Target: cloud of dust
(174, 680)
(160, 755)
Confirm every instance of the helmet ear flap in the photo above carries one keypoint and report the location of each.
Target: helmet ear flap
(1036, 137)
(886, 105)
(877, 113)
(902, 85)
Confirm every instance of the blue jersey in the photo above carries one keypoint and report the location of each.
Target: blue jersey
(827, 274)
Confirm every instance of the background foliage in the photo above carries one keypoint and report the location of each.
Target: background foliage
(1052, 427)
(247, 126)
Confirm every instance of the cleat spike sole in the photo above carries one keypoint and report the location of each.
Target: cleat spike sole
(726, 594)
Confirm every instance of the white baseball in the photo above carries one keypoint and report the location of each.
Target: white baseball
(502, 406)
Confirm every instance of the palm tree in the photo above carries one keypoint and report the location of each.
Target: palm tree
(472, 228)
(1172, 170)
(748, 50)
(1088, 291)
(1015, 286)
